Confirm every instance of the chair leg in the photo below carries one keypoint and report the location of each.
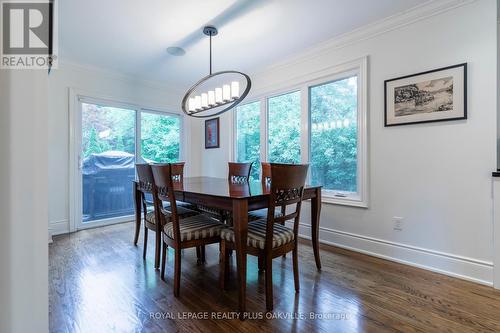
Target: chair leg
(145, 243)
(157, 249)
(260, 263)
(224, 266)
(198, 254)
(295, 260)
(137, 231)
(163, 259)
(202, 252)
(269, 283)
(284, 255)
(177, 272)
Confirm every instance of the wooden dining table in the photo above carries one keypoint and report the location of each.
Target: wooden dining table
(238, 198)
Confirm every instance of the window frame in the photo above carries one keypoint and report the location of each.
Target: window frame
(304, 83)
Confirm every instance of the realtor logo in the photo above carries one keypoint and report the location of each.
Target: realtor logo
(28, 34)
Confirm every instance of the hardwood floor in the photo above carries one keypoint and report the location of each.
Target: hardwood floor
(99, 283)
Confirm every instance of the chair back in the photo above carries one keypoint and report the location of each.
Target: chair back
(145, 175)
(287, 189)
(163, 192)
(145, 184)
(239, 172)
(178, 172)
(266, 173)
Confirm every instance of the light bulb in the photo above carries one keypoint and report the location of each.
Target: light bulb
(197, 102)
(226, 93)
(235, 89)
(218, 95)
(204, 100)
(211, 98)
(191, 104)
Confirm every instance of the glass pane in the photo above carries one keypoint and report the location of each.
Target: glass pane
(108, 165)
(334, 135)
(160, 138)
(248, 136)
(284, 128)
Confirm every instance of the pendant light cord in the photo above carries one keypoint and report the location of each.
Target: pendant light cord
(210, 54)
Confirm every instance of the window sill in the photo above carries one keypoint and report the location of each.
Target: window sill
(347, 201)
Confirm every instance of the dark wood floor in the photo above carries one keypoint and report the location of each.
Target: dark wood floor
(99, 283)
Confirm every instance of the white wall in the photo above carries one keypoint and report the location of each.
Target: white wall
(437, 176)
(96, 83)
(23, 202)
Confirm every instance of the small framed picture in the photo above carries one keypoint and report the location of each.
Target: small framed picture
(436, 95)
(212, 133)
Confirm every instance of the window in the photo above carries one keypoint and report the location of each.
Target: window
(160, 137)
(284, 113)
(334, 135)
(319, 121)
(248, 136)
(111, 137)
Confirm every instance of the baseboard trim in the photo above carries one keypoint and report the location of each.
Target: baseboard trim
(58, 227)
(465, 268)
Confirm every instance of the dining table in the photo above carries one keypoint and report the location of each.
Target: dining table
(239, 199)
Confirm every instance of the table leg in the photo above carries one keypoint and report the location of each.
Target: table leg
(137, 203)
(315, 215)
(240, 224)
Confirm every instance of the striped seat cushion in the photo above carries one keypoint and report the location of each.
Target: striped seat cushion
(261, 214)
(257, 234)
(181, 211)
(195, 227)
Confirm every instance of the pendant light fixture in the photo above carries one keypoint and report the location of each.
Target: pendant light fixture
(217, 92)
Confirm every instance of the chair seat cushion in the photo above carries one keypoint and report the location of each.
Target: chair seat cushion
(256, 236)
(261, 214)
(181, 212)
(195, 227)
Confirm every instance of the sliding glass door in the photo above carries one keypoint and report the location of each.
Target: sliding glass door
(108, 162)
(111, 139)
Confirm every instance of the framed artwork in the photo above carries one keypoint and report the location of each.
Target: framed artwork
(212, 133)
(436, 95)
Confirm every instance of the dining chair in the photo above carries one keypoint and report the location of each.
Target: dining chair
(239, 172)
(193, 231)
(266, 182)
(146, 186)
(267, 238)
(265, 173)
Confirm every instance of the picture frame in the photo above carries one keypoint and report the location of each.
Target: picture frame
(212, 134)
(430, 96)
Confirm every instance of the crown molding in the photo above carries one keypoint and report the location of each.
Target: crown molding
(390, 23)
(119, 76)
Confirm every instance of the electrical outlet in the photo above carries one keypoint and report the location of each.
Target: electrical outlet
(398, 223)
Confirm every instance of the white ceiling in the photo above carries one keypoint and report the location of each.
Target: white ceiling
(131, 36)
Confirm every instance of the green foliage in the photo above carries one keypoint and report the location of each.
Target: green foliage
(248, 136)
(334, 148)
(284, 128)
(106, 128)
(160, 137)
